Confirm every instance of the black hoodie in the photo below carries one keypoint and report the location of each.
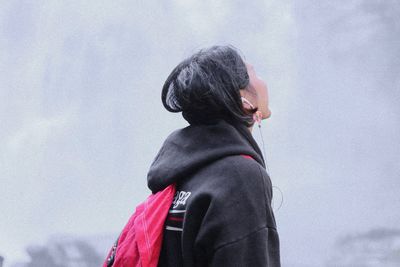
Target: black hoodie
(221, 214)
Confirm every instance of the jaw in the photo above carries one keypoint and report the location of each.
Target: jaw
(267, 114)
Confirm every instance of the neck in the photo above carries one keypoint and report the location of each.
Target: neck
(247, 132)
(251, 127)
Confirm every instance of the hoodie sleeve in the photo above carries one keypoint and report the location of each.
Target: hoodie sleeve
(239, 227)
(258, 248)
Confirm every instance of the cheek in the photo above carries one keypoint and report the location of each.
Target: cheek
(263, 93)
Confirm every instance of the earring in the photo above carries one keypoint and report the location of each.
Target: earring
(257, 116)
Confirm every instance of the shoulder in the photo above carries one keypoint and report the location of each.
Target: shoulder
(231, 197)
(233, 181)
(229, 178)
(242, 184)
(238, 172)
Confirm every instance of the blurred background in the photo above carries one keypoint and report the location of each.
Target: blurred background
(81, 120)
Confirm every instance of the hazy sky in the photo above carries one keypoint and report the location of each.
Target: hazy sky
(81, 117)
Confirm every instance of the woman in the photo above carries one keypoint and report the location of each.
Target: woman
(221, 214)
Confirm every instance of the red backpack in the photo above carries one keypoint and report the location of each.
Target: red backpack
(139, 243)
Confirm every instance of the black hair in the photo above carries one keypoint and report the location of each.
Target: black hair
(205, 87)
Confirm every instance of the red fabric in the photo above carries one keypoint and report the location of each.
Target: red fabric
(247, 156)
(139, 244)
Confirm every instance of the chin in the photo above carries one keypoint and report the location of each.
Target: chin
(269, 113)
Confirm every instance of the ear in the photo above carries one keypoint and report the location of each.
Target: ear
(246, 103)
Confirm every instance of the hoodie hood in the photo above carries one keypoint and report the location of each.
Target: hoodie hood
(187, 149)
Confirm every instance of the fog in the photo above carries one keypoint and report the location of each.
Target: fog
(81, 117)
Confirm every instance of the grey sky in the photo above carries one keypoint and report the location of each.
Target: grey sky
(81, 118)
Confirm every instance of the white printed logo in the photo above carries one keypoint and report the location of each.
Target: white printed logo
(180, 198)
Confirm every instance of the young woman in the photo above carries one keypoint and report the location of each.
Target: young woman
(221, 214)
